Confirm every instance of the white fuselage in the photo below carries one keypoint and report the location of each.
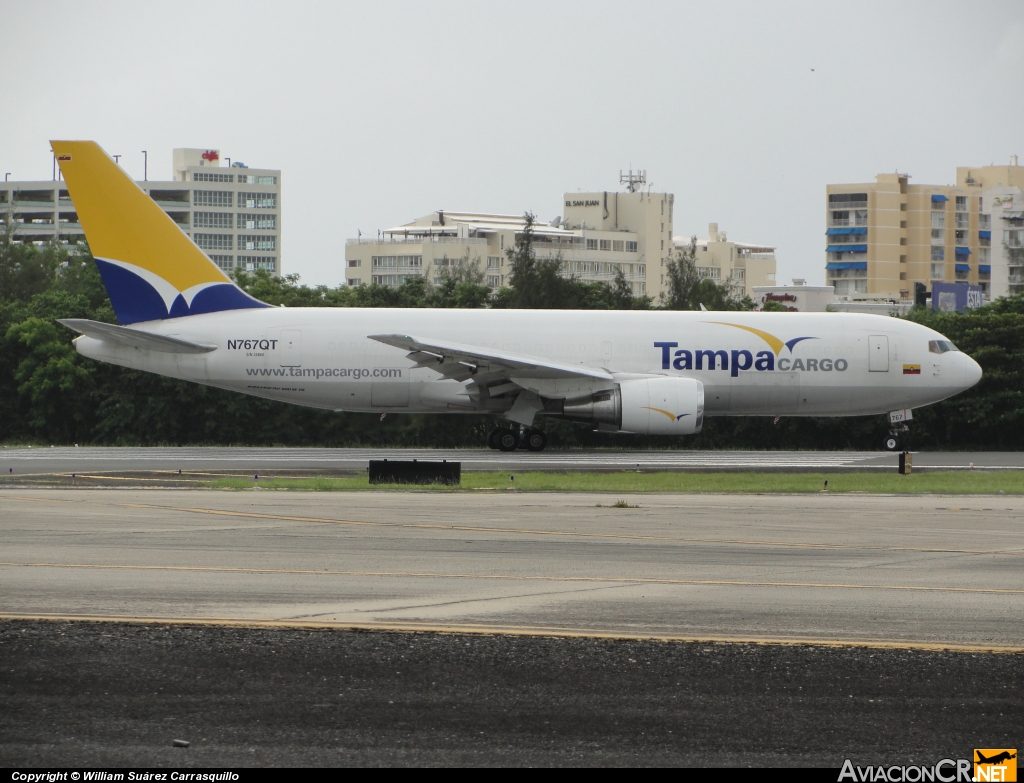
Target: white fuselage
(322, 357)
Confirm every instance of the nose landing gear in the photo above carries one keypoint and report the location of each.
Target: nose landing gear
(899, 432)
(894, 441)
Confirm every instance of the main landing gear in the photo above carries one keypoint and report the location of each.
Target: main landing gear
(521, 438)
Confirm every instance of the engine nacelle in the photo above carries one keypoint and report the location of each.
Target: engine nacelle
(646, 406)
(662, 406)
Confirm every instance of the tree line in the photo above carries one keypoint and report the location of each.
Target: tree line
(51, 395)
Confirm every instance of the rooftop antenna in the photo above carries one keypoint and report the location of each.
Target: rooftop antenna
(633, 181)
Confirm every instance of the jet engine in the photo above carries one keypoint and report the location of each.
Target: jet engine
(646, 406)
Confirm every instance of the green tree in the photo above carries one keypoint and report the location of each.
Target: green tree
(687, 290)
(459, 284)
(682, 279)
(53, 386)
(535, 283)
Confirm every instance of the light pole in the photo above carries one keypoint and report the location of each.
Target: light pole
(145, 166)
(6, 175)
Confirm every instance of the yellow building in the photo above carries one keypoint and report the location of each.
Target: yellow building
(884, 236)
(738, 265)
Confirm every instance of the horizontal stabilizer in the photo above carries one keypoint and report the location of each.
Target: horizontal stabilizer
(134, 338)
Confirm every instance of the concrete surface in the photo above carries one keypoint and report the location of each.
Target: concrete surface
(868, 569)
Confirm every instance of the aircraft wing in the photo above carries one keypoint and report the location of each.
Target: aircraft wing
(461, 362)
(134, 338)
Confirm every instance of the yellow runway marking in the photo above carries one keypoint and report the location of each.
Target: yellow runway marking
(519, 630)
(532, 532)
(521, 578)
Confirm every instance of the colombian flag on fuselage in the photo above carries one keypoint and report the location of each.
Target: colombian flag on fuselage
(150, 268)
(911, 369)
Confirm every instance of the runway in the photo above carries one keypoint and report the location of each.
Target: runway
(921, 571)
(34, 461)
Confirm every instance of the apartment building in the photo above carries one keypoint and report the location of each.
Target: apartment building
(599, 235)
(1001, 224)
(232, 212)
(738, 265)
(884, 236)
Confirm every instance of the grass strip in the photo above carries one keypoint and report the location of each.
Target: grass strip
(938, 482)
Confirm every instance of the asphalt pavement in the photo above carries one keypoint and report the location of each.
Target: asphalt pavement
(84, 695)
(32, 461)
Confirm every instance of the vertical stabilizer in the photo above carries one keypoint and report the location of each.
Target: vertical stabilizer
(150, 268)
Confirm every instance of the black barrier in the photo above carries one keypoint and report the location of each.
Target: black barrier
(383, 471)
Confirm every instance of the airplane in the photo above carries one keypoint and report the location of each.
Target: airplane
(996, 759)
(642, 372)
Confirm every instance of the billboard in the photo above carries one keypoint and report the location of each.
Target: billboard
(955, 297)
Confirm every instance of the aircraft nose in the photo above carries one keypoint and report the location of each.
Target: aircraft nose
(972, 371)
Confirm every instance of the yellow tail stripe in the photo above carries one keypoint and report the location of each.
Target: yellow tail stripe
(124, 224)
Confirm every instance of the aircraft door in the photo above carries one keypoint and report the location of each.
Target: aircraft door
(878, 353)
(291, 348)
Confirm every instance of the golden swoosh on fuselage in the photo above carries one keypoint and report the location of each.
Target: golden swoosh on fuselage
(775, 343)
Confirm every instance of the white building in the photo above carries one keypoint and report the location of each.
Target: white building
(601, 234)
(1003, 232)
(232, 212)
(797, 298)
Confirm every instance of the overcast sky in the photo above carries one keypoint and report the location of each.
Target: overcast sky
(378, 113)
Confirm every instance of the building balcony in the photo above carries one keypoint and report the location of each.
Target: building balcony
(47, 205)
(417, 240)
(602, 276)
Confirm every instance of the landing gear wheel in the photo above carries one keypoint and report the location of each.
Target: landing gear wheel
(893, 443)
(492, 438)
(508, 440)
(535, 440)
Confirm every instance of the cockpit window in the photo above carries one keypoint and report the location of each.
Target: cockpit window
(941, 346)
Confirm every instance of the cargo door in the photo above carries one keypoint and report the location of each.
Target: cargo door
(878, 353)
(291, 348)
